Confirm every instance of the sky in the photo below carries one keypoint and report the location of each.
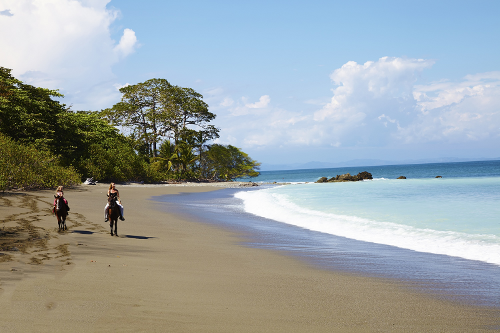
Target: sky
(290, 81)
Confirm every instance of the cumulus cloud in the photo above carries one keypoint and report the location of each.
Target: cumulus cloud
(243, 107)
(127, 43)
(463, 111)
(262, 103)
(378, 104)
(64, 44)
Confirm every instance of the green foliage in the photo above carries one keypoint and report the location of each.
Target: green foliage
(27, 113)
(26, 167)
(157, 110)
(228, 163)
(170, 129)
(78, 131)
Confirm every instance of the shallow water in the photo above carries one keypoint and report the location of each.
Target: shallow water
(457, 216)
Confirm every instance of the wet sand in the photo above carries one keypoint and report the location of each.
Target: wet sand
(164, 273)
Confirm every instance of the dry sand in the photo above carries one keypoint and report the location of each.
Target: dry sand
(167, 274)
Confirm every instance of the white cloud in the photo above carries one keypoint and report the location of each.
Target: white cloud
(262, 103)
(64, 44)
(377, 104)
(127, 44)
(463, 111)
(227, 102)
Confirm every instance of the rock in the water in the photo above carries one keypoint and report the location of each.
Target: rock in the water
(346, 178)
(364, 175)
(401, 177)
(439, 177)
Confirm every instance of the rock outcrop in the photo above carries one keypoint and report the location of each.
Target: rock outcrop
(346, 178)
(401, 177)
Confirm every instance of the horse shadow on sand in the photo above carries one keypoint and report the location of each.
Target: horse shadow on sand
(86, 232)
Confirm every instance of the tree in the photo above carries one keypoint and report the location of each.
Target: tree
(156, 110)
(28, 114)
(143, 109)
(80, 130)
(186, 110)
(81, 140)
(228, 163)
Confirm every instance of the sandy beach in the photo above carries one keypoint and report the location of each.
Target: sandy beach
(164, 273)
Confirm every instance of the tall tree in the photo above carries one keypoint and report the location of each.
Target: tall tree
(143, 109)
(156, 110)
(187, 111)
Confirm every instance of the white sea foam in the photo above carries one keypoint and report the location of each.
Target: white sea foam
(275, 206)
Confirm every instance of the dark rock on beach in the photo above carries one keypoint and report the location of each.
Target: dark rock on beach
(249, 184)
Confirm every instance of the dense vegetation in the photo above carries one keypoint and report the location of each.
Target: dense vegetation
(23, 166)
(45, 144)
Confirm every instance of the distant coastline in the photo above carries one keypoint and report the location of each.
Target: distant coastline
(367, 162)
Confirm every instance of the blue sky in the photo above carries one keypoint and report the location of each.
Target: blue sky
(290, 81)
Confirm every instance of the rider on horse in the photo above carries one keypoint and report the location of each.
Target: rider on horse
(60, 195)
(113, 192)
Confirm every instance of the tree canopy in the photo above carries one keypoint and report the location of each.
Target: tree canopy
(28, 114)
(169, 136)
(155, 110)
(228, 163)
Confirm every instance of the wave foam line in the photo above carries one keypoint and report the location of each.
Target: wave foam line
(468, 246)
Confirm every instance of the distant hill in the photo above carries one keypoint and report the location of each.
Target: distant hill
(365, 162)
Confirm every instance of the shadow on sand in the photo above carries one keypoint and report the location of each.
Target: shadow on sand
(83, 232)
(138, 237)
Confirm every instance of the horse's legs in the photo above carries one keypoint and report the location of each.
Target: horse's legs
(111, 226)
(116, 228)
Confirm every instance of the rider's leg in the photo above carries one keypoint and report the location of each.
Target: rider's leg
(106, 219)
(121, 212)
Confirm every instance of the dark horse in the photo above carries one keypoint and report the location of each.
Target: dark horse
(61, 211)
(113, 213)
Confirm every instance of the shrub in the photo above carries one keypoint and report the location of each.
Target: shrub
(26, 167)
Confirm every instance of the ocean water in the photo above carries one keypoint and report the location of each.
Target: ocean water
(440, 235)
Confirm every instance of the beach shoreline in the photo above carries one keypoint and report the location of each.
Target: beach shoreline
(167, 273)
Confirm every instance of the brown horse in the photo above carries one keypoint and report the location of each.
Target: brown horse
(61, 211)
(113, 214)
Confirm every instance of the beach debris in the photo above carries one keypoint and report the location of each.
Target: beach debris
(346, 178)
(401, 177)
(89, 181)
(249, 184)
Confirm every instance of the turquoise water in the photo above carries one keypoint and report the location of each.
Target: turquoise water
(438, 235)
(411, 171)
(457, 215)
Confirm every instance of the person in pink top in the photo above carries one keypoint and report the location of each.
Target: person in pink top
(60, 195)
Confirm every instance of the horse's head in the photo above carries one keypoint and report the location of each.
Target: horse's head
(59, 203)
(112, 201)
